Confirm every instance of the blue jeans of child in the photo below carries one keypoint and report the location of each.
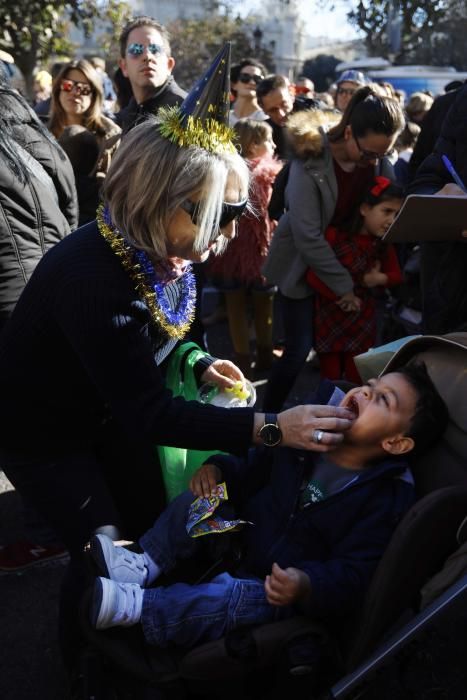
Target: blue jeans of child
(183, 614)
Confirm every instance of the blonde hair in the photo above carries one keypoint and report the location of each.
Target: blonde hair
(418, 102)
(150, 177)
(92, 118)
(251, 132)
(43, 79)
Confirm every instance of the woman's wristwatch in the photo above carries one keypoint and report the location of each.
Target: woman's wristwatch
(270, 433)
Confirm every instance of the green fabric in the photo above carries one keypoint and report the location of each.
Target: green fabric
(178, 464)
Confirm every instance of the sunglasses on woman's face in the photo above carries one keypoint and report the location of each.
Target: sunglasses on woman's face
(76, 86)
(230, 212)
(136, 49)
(250, 78)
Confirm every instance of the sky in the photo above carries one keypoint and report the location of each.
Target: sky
(328, 23)
(319, 22)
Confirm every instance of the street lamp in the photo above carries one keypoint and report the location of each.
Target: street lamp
(394, 27)
(257, 36)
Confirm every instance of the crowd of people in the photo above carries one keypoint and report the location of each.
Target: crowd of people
(277, 196)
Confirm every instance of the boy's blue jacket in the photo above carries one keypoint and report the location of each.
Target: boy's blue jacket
(337, 542)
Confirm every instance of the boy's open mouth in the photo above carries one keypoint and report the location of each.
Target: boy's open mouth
(353, 406)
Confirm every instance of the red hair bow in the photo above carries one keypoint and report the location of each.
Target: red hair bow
(382, 183)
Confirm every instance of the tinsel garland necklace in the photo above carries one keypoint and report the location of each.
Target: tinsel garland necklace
(175, 323)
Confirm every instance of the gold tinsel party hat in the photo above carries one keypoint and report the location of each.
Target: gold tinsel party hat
(203, 117)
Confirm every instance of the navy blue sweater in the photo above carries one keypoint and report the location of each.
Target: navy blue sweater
(80, 348)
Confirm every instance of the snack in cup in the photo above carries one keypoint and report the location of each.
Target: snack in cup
(242, 394)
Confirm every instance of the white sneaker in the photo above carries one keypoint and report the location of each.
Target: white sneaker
(117, 563)
(115, 604)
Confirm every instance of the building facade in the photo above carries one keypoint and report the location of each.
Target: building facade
(283, 32)
(166, 11)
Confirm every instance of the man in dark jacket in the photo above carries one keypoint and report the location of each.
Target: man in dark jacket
(315, 530)
(147, 62)
(444, 265)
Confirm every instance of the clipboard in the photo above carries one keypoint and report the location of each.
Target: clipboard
(426, 217)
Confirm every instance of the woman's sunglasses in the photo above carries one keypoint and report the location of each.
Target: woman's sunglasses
(249, 78)
(76, 86)
(229, 213)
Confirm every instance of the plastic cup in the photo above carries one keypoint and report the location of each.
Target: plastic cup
(210, 393)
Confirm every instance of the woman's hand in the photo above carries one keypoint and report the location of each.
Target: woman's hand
(450, 190)
(223, 373)
(286, 586)
(205, 479)
(301, 427)
(349, 302)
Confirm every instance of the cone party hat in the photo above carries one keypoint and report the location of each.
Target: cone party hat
(203, 117)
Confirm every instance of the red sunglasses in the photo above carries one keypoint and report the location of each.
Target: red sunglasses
(68, 85)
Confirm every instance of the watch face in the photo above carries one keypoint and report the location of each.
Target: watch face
(270, 434)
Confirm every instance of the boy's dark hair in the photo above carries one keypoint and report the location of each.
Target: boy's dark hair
(144, 21)
(431, 415)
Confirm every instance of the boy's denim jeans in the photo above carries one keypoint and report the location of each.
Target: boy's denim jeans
(186, 615)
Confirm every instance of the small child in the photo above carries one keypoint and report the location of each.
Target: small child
(340, 335)
(299, 553)
(238, 270)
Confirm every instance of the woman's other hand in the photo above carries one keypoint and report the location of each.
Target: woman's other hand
(223, 373)
(317, 428)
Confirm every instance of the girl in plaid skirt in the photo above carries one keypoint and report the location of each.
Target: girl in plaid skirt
(340, 335)
(238, 270)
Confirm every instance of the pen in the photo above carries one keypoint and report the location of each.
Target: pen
(452, 171)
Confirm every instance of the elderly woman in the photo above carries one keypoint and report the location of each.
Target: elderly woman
(86, 134)
(82, 360)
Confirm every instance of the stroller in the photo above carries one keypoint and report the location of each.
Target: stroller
(273, 659)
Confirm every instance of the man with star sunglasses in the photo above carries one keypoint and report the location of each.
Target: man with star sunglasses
(147, 62)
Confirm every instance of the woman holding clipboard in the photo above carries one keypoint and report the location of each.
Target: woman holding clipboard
(443, 264)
